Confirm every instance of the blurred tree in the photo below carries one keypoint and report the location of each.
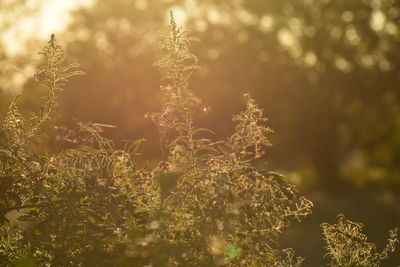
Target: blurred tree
(326, 71)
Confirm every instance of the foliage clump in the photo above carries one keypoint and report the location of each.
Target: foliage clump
(348, 246)
(66, 206)
(229, 211)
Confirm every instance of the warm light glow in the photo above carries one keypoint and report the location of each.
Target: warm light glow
(377, 21)
(180, 15)
(52, 17)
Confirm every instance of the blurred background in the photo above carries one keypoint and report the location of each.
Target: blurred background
(326, 73)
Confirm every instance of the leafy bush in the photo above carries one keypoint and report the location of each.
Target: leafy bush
(93, 205)
(348, 246)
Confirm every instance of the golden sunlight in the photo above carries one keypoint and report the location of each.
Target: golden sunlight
(51, 17)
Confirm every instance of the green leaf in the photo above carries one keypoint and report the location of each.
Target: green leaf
(222, 150)
(104, 125)
(134, 146)
(110, 144)
(26, 262)
(4, 157)
(34, 211)
(198, 130)
(209, 148)
(86, 148)
(26, 218)
(6, 182)
(14, 197)
(177, 140)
